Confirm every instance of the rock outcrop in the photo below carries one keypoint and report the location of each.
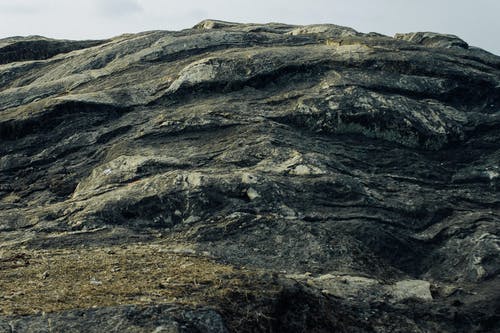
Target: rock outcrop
(320, 178)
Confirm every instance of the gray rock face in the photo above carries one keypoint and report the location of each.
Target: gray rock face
(432, 39)
(315, 149)
(167, 319)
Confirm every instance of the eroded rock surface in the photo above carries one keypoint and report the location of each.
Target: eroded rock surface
(316, 153)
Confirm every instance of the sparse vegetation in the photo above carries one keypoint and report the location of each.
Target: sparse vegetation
(34, 281)
(48, 281)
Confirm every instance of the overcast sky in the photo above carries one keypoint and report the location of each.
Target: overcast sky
(475, 21)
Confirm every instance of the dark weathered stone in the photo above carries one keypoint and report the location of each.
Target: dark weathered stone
(121, 319)
(38, 48)
(320, 153)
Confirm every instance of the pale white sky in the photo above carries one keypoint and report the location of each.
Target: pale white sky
(476, 21)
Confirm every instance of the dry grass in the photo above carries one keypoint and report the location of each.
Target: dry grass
(56, 280)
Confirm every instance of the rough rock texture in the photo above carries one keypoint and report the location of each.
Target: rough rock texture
(38, 48)
(432, 39)
(121, 319)
(361, 169)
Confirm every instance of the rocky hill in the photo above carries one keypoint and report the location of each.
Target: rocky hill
(249, 177)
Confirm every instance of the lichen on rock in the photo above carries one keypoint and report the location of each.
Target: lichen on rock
(249, 177)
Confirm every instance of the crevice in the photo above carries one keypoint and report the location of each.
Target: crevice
(69, 113)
